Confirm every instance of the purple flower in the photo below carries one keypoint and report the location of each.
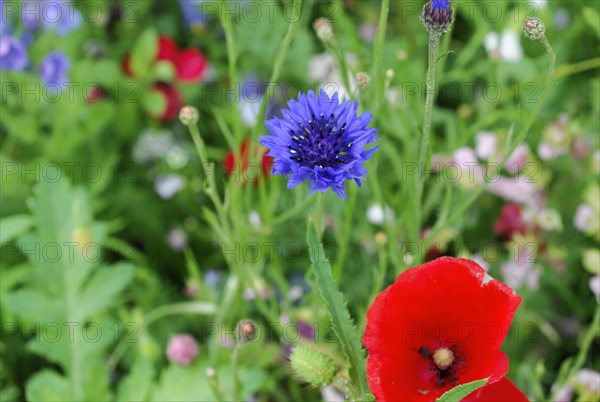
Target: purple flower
(320, 140)
(194, 18)
(61, 16)
(5, 27)
(54, 68)
(182, 349)
(13, 54)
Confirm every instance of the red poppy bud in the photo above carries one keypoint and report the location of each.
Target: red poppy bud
(191, 65)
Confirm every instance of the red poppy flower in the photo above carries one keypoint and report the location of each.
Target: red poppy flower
(167, 49)
(173, 101)
(501, 391)
(439, 325)
(191, 65)
(248, 172)
(510, 222)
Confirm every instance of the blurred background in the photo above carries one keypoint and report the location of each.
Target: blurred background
(118, 278)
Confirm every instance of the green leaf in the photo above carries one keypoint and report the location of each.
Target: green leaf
(13, 226)
(102, 288)
(136, 386)
(47, 385)
(144, 52)
(179, 383)
(154, 103)
(458, 393)
(338, 312)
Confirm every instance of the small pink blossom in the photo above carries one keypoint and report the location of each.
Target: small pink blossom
(182, 349)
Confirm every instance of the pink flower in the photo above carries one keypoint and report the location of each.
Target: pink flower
(518, 189)
(182, 349)
(517, 161)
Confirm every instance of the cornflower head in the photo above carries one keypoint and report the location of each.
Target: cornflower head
(320, 140)
(437, 16)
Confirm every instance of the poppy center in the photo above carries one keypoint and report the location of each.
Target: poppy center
(445, 363)
(443, 358)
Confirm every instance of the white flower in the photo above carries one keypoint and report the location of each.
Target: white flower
(254, 218)
(152, 145)
(583, 217)
(376, 214)
(167, 185)
(506, 47)
(539, 4)
(549, 220)
(595, 286)
(177, 239)
(520, 270)
(486, 145)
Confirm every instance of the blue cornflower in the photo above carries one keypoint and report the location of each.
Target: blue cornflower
(194, 17)
(321, 140)
(54, 69)
(440, 4)
(13, 54)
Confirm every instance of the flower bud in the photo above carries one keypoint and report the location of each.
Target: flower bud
(437, 16)
(245, 331)
(323, 29)
(362, 79)
(312, 367)
(534, 28)
(188, 115)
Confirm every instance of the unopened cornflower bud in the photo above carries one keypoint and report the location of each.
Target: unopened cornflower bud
(81, 236)
(437, 16)
(534, 28)
(313, 367)
(246, 331)
(362, 79)
(323, 29)
(188, 115)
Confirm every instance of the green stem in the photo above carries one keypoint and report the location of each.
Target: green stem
(458, 213)
(279, 59)
(232, 60)
(377, 73)
(237, 383)
(434, 42)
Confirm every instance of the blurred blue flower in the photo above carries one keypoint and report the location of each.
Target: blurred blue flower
(194, 18)
(54, 68)
(320, 140)
(5, 27)
(58, 15)
(13, 54)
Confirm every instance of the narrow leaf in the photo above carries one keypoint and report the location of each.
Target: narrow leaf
(458, 393)
(338, 312)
